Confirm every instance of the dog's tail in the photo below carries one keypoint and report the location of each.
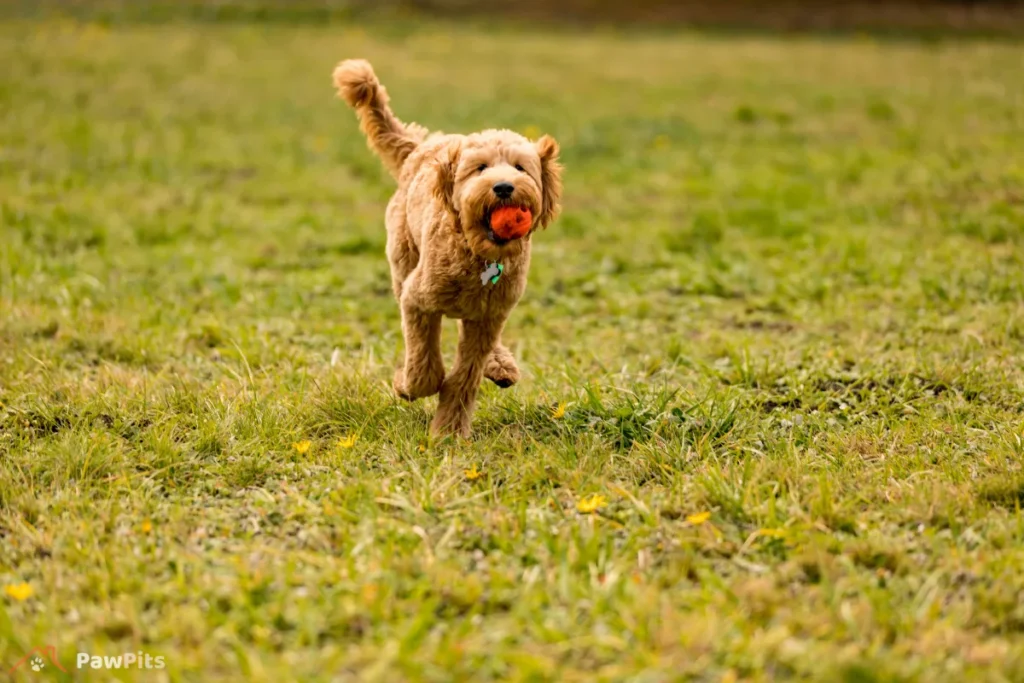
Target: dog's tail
(392, 140)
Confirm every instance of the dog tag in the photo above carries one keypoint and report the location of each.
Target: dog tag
(492, 274)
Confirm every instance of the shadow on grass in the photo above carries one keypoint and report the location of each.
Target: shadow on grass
(619, 418)
(1003, 493)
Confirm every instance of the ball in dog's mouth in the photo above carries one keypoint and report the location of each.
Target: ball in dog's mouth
(507, 223)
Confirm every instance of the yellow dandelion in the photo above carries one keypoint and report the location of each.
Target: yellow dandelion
(531, 132)
(422, 448)
(591, 503)
(472, 474)
(147, 526)
(302, 446)
(698, 518)
(18, 591)
(558, 412)
(348, 441)
(772, 533)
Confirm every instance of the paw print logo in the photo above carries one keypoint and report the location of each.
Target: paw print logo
(39, 658)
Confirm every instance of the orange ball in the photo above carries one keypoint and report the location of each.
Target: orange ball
(511, 222)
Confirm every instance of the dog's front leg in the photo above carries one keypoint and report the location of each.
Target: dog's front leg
(423, 372)
(477, 338)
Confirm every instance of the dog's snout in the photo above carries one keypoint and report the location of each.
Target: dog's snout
(504, 189)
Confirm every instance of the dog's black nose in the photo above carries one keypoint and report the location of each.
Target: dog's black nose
(504, 190)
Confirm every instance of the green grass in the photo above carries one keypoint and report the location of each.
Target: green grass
(786, 291)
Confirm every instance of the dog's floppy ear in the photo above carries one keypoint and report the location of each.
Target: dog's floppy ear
(446, 168)
(551, 180)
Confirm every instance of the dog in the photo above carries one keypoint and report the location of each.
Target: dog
(446, 260)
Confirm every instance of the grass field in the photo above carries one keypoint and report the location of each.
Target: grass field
(771, 419)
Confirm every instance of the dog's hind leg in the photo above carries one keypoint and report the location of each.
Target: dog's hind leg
(403, 256)
(501, 367)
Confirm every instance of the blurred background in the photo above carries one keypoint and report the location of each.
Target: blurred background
(966, 16)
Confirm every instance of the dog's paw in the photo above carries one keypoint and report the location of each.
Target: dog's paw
(398, 384)
(424, 385)
(501, 368)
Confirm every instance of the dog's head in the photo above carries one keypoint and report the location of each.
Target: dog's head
(499, 168)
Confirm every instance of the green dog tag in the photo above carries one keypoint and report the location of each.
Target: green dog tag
(492, 274)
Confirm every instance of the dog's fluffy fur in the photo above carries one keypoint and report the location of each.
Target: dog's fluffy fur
(439, 242)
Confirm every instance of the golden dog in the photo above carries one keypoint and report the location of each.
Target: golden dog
(445, 258)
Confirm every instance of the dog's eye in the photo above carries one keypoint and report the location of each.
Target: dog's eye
(481, 168)
(519, 167)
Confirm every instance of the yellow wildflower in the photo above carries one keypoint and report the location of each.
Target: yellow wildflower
(18, 591)
(147, 526)
(422, 448)
(348, 441)
(302, 446)
(559, 411)
(473, 473)
(698, 518)
(591, 503)
(772, 533)
(531, 132)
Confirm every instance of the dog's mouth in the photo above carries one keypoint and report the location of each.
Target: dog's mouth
(494, 238)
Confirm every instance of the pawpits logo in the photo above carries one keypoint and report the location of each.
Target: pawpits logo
(45, 656)
(129, 660)
(37, 659)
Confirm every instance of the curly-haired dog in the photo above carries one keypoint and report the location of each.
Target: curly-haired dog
(446, 259)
